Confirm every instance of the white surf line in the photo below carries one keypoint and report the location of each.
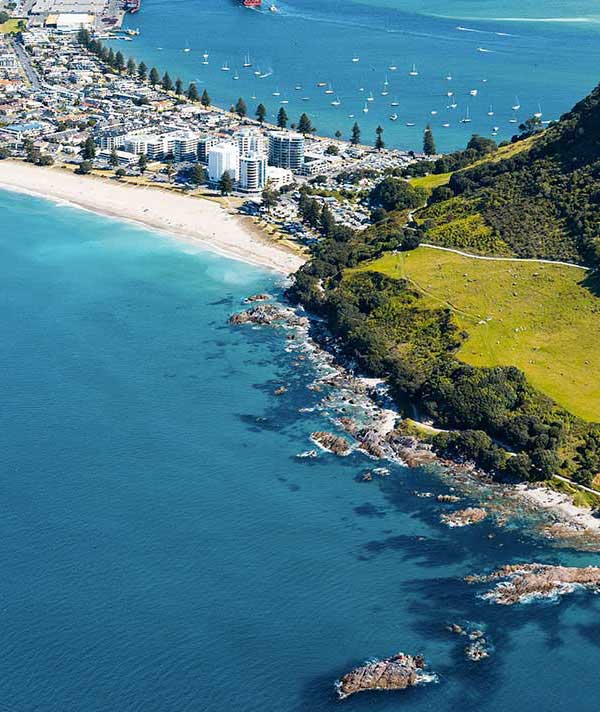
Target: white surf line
(505, 259)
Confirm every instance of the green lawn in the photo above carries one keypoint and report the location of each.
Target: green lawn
(431, 181)
(542, 318)
(10, 26)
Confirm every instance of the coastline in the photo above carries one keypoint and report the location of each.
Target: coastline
(186, 217)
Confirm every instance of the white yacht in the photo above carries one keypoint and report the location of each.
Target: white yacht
(394, 117)
(225, 67)
(413, 72)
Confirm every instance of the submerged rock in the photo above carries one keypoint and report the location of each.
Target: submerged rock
(395, 673)
(331, 442)
(464, 517)
(280, 391)
(522, 582)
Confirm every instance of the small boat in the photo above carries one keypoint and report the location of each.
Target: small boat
(495, 129)
(329, 90)
(273, 8)
(284, 101)
(371, 97)
(483, 49)
(336, 101)
(257, 72)
(467, 118)
(159, 49)
(394, 117)
(365, 109)
(392, 67)
(253, 97)
(361, 89)
(247, 62)
(187, 49)
(413, 72)
(513, 120)
(225, 67)
(321, 84)
(449, 93)
(473, 92)
(434, 113)
(410, 124)
(205, 57)
(276, 92)
(305, 98)
(236, 76)
(538, 114)
(355, 59)
(384, 92)
(491, 111)
(448, 77)
(395, 103)
(453, 105)
(297, 87)
(517, 104)
(350, 116)
(446, 125)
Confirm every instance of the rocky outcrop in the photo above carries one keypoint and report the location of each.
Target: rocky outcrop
(395, 673)
(449, 498)
(332, 443)
(464, 517)
(258, 298)
(478, 647)
(522, 582)
(269, 314)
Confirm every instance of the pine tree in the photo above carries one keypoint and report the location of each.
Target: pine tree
(88, 149)
(142, 71)
(305, 125)
(198, 174)
(167, 84)
(119, 61)
(338, 134)
(154, 76)
(178, 87)
(226, 183)
(355, 138)
(142, 163)
(429, 142)
(240, 108)
(205, 100)
(113, 160)
(282, 118)
(379, 144)
(110, 59)
(327, 221)
(83, 37)
(192, 92)
(131, 67)
(261, 112)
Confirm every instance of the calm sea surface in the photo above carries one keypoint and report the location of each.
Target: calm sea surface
(161, 547)
(543, 56)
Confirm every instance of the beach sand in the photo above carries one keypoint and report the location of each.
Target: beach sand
(184, 216)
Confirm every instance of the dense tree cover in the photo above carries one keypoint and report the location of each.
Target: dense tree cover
(544, 201)
(477, 148)
(429, 148)
(396, 194)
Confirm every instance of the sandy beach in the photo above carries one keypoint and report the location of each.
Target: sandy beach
(184, 216)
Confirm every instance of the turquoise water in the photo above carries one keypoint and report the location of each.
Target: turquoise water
(546, 54)
(162, 548)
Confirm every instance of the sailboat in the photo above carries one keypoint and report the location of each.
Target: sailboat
(225, 67)
(365, 109)
(394, 117)
(186, 48)
(446, 125)
(276, 92)
(247, 62)
(297, 87)
(491, 111)
(355, 59)
(453, 104)
(395, 103)
(467, 117)
(410, 124)
(448, 77)
(329, 90)
(236, 76)
(473, 92)
(371, 97)
(336, 101)
(205, 57)
(392, 67)
(538, 114)
(413, 72)
(517, 104)
(384, 91)
(434, 112)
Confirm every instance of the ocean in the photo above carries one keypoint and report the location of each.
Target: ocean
(163, 549)
(542, 57)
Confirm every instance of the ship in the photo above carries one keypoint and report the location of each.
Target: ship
(251, 3)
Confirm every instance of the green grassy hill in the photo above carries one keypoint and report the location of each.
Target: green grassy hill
(541, 318)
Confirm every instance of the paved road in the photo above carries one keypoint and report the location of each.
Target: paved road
(570, 482)
(28, 68)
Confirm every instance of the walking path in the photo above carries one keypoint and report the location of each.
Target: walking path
(570, 482)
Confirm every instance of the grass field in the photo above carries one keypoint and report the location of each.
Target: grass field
(10, 26)
(544, 319)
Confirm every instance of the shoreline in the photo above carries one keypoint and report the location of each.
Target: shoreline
(186, 217)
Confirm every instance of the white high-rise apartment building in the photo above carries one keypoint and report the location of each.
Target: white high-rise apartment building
(253, 172)
(249, 141)
(286, 150)
(221, 158)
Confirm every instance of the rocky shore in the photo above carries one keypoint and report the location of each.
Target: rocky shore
(519, 583)
(464, 517)
(394, 673)
(330, 442)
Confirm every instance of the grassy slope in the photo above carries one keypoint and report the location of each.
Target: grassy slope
(538, 317)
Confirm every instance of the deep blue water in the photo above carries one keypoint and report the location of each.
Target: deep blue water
(162, 549)
(547, 64)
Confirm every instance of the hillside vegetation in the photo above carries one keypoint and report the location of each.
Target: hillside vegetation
(541, 318)
(540, 202)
